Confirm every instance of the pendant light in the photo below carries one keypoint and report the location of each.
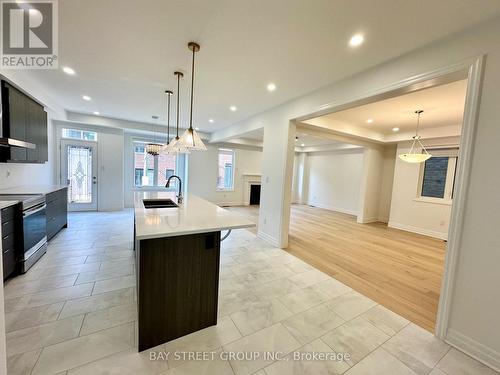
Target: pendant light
(414, 156)
(191, 138)
(154, 148)
(165, 148)
(176, 146)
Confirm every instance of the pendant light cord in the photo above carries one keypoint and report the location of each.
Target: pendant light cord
(192, 93)
(168, 118)
(418, 123)
(178, 94)
(154, 131)
(416, 138)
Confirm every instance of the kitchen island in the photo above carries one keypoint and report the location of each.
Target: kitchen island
(177, 263)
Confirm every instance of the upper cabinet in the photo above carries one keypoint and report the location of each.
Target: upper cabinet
(23, 119)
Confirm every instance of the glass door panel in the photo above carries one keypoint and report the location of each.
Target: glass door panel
(79, 173)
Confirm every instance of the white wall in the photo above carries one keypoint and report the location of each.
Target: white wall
(110, 170)
(334, 179)
(298, 177)
(371, 182)
(476, 278)
(409, 213)
(202, 174)
(385, 195)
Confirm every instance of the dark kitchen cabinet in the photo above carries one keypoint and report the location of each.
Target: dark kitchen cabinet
(177, 284)
(11, 224)
(23, 119)
(56, 211)
(17, 116)
(36, 132)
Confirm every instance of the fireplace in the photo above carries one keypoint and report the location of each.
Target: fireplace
(254, 194)
(249, 181)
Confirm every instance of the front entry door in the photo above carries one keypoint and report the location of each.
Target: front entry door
(79, 172)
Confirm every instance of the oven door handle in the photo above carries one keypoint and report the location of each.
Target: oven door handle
(34, 210)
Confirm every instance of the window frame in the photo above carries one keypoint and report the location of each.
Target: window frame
(452, 154)
(82, 131)
(179, 169)
(233, 152)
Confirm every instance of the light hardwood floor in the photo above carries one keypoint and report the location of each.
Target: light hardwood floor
(400, 270)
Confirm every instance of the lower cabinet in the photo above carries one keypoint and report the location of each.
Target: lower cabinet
(11, 223)
(57, 211)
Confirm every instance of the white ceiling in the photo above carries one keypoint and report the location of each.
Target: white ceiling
(312, 141)
(442, 105)
(302, 138)
(125, 51)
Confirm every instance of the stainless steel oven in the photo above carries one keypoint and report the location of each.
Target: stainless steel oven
(34, 229)
(34, 235)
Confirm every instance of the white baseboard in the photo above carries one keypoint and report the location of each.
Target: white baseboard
(229, 204)
(482, 353)
(268, 238)
(332, 208)
(367, 220)
(425, 232)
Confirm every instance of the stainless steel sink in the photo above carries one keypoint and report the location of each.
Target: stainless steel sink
(159, 203)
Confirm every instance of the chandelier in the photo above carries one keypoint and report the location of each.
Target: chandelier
(154, 148)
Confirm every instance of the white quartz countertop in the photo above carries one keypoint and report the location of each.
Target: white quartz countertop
(32, 189)
(5, 204)
(194, 215)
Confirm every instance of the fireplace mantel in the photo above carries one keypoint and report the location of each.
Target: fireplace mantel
(248, 180)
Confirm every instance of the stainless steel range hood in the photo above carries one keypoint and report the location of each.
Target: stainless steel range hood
(10, 142)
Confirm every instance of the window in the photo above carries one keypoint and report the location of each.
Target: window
(153, 171)
(83, 135)
(438, 174)
(225, 176)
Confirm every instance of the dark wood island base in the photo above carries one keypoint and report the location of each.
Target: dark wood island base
(177, 285)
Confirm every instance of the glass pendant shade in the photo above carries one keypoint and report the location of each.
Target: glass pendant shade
(191, 139)
(414, 156)
(175, 147)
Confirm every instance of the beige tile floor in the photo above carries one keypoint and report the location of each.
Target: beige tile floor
(75, 313)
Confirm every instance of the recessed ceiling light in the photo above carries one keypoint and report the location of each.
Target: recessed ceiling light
(395, 129)
(356, 40)
(97, 113)
(69, 71)
(211, 120)
(271, 87)
(302, 144)
(233, 108)
(369, 121)
(86, 97)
